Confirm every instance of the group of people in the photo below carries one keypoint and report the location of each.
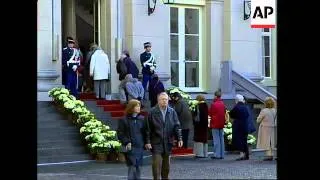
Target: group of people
(130, 87)
(166, 123)
(82, 74)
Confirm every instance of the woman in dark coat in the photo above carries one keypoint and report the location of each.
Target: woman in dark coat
(131, 135)
(155, 87)
(240, 115)
(131, 66)
(201, 128)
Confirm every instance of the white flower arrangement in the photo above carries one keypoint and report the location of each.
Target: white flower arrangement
(182, 93)
(79, 103)
(104, 147)
(69, 105)
(58, 91)
(96, 137)
(101, 137)
(79, 110)
(193, 104)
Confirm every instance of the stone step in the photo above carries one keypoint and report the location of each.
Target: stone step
(63, 158)
(57, 129)
(43, 116)
(61, 135)
(54, 124)
(60, 151)
(49, 143)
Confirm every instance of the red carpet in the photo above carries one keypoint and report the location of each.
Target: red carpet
(181, 151)
(87, 96)
(116, 109)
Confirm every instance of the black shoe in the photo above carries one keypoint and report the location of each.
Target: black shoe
(199, 157)
(241, 159)
(268, 159)
(213, 157)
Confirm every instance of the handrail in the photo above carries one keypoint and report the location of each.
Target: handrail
(251, 86)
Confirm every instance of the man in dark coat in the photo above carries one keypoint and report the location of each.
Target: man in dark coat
(184, 115)
(155, 88)
(240, 115)
(162, 125)
(148, 64)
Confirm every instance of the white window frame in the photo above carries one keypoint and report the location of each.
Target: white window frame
(268, 34)
(181, 48)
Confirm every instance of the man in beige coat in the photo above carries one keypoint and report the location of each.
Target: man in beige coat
(267, 130)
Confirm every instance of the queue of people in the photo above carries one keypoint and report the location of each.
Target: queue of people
(170, 119)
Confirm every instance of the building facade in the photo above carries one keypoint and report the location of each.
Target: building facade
(191, 39)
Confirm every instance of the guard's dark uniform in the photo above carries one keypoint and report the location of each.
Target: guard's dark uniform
(66, 55)
(146, 69)
(68, 61)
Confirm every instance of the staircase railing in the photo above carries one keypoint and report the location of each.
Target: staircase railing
(251, 86)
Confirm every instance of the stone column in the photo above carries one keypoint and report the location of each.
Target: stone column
(226, 64)
(69, 18)
(140, 28)
(48, 56)
(108, 37)
(215, 32)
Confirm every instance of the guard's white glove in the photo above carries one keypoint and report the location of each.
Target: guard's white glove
(74, 67)
(152, 68)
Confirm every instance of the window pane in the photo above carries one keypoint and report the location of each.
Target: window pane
(174, 47)
(174, 20)
(191, 48)
(192, 74)
(266, 30)
(192, 21)
(175, 74)
(266, 46)
(267, 66)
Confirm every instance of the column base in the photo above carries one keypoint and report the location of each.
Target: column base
(46, 81)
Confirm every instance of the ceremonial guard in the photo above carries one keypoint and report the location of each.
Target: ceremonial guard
(148, 64)
(70, 64)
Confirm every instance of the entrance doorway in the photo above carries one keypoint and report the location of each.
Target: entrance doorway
(81, 21)
(85, 23)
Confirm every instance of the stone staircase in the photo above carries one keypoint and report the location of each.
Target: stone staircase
(58, 140)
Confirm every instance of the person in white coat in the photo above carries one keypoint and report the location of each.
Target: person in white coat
(100, 70)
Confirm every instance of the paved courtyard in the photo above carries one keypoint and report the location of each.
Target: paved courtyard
(181, 168)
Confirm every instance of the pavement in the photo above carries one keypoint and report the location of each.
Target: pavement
(185, 167)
